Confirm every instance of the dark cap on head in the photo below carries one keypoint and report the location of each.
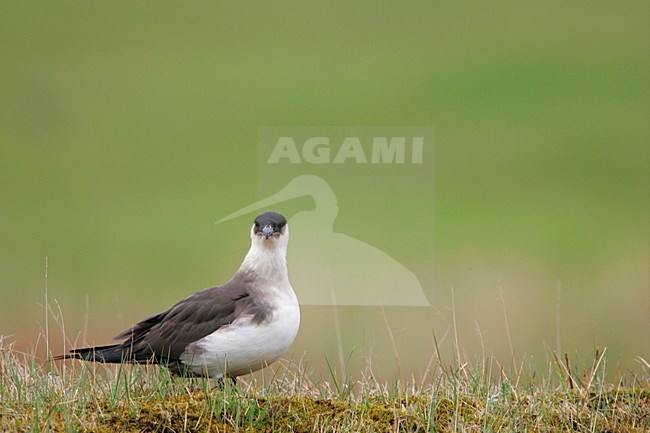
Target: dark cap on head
(269, 223)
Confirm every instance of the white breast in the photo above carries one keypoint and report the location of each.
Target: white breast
(243, 346)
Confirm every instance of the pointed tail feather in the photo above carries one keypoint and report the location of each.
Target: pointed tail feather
(111, 354)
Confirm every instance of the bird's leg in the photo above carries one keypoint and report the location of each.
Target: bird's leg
(221, 383)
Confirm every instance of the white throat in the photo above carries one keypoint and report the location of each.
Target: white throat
(267, 258)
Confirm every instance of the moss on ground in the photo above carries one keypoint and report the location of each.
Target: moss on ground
(217, 411)
(147, 399)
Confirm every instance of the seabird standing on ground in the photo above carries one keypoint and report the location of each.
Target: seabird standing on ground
(226, 331)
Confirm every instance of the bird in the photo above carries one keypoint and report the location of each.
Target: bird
(221, 332)
(343, 270)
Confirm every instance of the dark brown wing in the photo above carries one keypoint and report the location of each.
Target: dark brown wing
(165, 336)
(161, 338)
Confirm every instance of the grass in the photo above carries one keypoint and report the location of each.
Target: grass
(41, 396)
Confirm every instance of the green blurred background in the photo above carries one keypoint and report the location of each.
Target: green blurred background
(128, 128)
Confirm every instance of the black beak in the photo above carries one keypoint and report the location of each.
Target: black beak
(267, 231)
